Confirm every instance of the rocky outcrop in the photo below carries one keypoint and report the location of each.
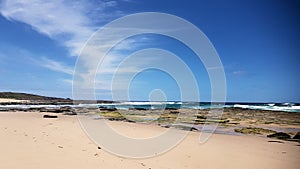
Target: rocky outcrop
(64, 109)
(254, 130)
(297, 136)
(280, 135)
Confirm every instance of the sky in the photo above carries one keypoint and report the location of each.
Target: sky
(257, 42)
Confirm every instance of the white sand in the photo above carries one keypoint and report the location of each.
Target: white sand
(2, 100)
(28, 141)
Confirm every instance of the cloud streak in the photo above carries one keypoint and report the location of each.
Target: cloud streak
(56, 66)
(71, 23)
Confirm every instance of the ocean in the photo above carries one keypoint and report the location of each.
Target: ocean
(143, 105)
(287, 107)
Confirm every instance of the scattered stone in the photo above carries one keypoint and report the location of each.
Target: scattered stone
(49, 116)
(280, 135)
(99, 147)
(117, 119)
(60, 146)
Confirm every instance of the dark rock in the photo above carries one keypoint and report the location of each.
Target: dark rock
(171, 108)
(99, 147)
(174, 112)
(201, 117)
(280, 135)
(56, 110)
(166, 126)
(297, 136)
(137, 108)
(107, 109)
(49, 116)
(129, 121)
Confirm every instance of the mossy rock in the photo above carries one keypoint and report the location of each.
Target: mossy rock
(254, 130)
(167, 118)
(202, 121)
(112, 115)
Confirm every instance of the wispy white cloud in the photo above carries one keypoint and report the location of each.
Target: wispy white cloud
(69, 22)
(67, 81)
(56, 66)
(29, 58)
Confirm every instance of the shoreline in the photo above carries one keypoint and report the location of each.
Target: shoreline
(234, 121)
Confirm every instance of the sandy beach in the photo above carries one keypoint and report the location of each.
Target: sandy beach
(4, 100)
(30, 141)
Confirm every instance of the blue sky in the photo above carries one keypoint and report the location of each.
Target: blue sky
(257, 41)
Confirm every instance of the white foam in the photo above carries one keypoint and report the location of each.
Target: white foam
(146, 103)
(269, 107)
